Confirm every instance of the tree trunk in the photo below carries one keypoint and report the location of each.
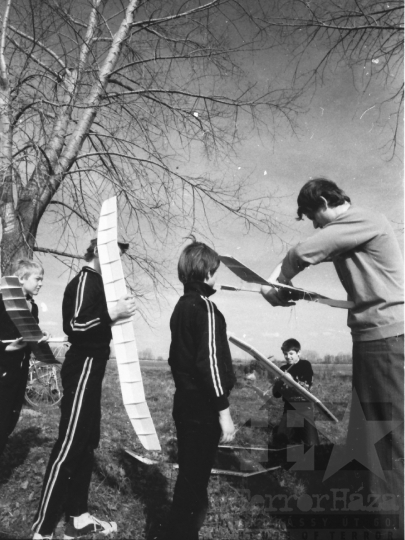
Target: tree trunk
(13, 246)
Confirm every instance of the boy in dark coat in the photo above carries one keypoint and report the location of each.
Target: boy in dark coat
(297, 424)
(201, 365)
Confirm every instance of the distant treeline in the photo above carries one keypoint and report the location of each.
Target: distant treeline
(312, 356)
(315, 358)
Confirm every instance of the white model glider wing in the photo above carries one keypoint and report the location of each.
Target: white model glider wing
(133, 394)
(19, 312)
(295, 293)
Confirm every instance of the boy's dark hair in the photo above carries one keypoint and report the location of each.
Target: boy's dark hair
(291, 345)
(23, 268)
(89, 255)
(309, 199)
(196, 262)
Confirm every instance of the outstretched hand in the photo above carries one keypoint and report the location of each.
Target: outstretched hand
(45, 337)
(277, 297)
(16, 345)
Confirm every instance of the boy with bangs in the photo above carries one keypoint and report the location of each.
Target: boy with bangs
(201, 366)
(297, 424)
(14, 356)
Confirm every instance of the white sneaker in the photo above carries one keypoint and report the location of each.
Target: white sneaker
(38, 536)
(94, 525)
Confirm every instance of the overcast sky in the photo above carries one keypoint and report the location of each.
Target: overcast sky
(340, 138)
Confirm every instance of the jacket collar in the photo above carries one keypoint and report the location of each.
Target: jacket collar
(89, 269)
(199, 287)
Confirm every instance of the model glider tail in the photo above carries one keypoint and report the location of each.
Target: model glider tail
(133, 394)
(275, 370)
(242, 271)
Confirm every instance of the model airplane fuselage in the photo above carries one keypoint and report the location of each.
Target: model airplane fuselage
(293, 293)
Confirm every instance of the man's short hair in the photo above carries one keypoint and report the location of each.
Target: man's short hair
(309, 199)
(23, 268)
(89, 255)
(291, 345)
(196, 262)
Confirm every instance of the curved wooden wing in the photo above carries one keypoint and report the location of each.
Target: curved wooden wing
(275, 370)
(133, 394)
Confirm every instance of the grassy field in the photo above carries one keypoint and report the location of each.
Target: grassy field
(138, 496)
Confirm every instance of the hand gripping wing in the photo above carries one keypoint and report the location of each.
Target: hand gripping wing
(133, 394)
(17, 309)
(294, 293)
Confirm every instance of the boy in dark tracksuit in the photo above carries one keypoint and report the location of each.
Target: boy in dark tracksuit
(14, 356)
(297, 424)
(201, 365)
(86, 321)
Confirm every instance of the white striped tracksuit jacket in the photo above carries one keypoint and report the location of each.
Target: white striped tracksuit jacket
(200, 358)
(85, 315)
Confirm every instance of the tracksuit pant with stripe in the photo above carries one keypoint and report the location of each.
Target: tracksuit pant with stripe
(68, 475)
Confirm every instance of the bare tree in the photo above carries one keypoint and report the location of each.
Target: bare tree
(100, 98)
(366, 35)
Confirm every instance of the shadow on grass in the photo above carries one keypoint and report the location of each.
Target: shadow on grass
(274, 501)
(152, 487)
(330, 501)
(17, 450)
(299, 500)
(146, 484)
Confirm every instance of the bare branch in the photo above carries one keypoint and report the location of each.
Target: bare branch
(58, 253)
(180, 15)
(74, 212)
(37, 43)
